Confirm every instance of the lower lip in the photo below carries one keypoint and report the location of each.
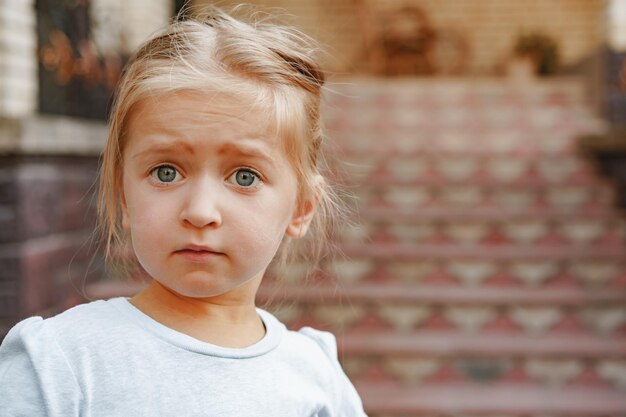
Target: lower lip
(198, 256)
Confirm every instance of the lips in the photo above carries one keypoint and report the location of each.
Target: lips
(198, 253)
(198, 248)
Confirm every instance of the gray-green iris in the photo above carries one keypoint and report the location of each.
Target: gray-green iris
(166, 174)
(244, 178)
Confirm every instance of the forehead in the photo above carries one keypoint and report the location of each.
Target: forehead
(187, 113)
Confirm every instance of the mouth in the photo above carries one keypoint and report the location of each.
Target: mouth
(198, 253)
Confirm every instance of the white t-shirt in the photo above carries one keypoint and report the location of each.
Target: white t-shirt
(107, 358)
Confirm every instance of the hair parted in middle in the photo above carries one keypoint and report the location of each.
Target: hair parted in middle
(272, 67)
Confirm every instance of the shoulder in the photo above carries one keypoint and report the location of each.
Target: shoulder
(70, 327)
(31, 356)
(325, 341)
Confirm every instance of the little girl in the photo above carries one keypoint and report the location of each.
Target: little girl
(210, 170)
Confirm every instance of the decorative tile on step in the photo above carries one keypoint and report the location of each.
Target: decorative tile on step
(604, 320)
(594, 273)
(582, 231)
(356, 143)
(463, 196)
(454, 143)
(457, 169)
(567, 196)
(483, 370)
(410, 271)
(555, 144)
(355, 232)
(407, 197)
(360, 170)
(407, 145)
(558, 170)
(366, 197)
(407, 118)
(411, 370)
(500, 116)
(467, 233)
(286, 312)
(553, 372)
(542, 118)
(513, 199)
(614, 371)
(525, 231)
(503, 143)
(412, 233)
(355, 366)
(534, 273)
(507, 170)
(296, 273)
(351, 271)
(406, 170)
(455, 117)
(470, 319)
(471, 273)
(339, 317)
(535, 320)
(404, 318)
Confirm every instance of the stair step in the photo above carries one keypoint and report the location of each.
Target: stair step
(401, 251)
(410, 144)
(508, 197)
(455, 344)
(537, 184)
(504, 399)
(393, 293)
(495, 214)
(474, 311)
(463, 167)
(511, 231)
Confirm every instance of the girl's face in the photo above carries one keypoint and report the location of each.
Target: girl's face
(208, 193)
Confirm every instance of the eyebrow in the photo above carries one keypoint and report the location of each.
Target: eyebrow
(178, 146)
(245, 150)
(165, 148)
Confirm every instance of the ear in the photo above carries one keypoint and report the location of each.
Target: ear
(303, 215)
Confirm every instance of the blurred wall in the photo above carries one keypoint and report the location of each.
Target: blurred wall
(489, 27)
(48, 162)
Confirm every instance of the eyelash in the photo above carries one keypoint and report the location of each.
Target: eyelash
(153, 176)
(253, 172)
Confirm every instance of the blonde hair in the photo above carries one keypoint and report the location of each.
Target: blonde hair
(214, 52)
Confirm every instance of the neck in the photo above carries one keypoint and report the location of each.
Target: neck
(232, 323)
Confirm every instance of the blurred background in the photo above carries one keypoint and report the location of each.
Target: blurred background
(484, 144)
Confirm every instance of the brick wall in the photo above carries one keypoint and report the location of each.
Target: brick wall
(47, 214)
(489, 26)
(48, 166)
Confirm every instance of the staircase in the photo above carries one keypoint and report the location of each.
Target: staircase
(485, 274)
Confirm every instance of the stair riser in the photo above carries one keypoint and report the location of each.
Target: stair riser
(411, 197)
(549, 372)
(362, 168)
(601, 318)
(523, 232)
(591, 274)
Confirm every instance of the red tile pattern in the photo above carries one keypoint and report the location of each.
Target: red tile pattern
(486, 274)
(487, 267)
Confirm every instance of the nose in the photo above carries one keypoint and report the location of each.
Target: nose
(201, 206)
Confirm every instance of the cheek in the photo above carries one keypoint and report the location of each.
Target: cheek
(264, 225)
(145, 218)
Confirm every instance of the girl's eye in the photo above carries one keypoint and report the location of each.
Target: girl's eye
(165, 173)
(245, 178)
